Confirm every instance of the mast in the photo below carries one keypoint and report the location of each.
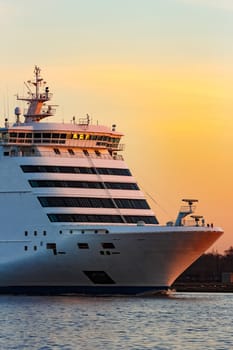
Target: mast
(37, 108)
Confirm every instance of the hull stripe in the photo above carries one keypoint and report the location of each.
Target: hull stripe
(82, 290)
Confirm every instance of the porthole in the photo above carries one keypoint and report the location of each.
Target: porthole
(83, 245)
(35, 233)
(25, 233)
(44, 233)
(25, 247)
(108, 245)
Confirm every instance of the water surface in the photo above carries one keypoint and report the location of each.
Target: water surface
(182, 321)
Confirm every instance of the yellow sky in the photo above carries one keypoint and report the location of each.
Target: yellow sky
(178, 124)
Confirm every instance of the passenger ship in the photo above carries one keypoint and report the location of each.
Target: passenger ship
(73, 218)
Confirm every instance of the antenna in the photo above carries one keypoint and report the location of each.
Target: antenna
(190, 202)
(7, 97)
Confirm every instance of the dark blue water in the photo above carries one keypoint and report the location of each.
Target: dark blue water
(182, 321)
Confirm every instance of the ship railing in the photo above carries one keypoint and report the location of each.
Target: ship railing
(42, 96)
(60, 141)
(35, 153)
(187, 209)
(191, 222)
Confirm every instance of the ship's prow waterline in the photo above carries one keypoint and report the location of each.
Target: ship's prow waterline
(81, 224)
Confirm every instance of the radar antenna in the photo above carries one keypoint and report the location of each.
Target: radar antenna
(37, 109)
(185, 210)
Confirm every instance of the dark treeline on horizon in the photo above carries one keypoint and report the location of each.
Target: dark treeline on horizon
(209, 267)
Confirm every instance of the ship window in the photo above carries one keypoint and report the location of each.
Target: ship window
(132, 203)
(26, 233)
(86, 152)
(99, 277)
(113, 171)
(35, 247)
(83, 202)
(63, 136)
(6, 153)
(121, 186)
(60, 232)
(35, 233)
(55, 136)
(73, 170)
(25, 247)
(84, 218)
(21, 134)
(53, 247)
(47, 135)
(71, 152)
(83, 245)
(37, 137)
(44, 233)
(108, 245)
(98, 153)
(56, 151)
(63, 183)
(131, 219)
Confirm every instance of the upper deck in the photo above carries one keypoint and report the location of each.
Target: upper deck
(67, 135)
(32, 132)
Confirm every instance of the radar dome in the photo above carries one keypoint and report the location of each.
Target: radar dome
(17, 111)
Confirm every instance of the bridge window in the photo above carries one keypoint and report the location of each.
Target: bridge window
(71, 152)
(56, 151)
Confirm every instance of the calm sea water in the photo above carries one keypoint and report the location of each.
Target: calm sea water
(182, 321)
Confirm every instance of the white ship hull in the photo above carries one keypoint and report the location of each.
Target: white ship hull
(140, 262)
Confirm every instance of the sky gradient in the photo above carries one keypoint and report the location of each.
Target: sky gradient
(160, 69)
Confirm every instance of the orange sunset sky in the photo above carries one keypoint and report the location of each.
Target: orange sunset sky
(161, 70)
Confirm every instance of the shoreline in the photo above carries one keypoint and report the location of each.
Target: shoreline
(216, 287)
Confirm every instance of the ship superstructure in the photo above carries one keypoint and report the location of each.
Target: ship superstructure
(73, 218)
